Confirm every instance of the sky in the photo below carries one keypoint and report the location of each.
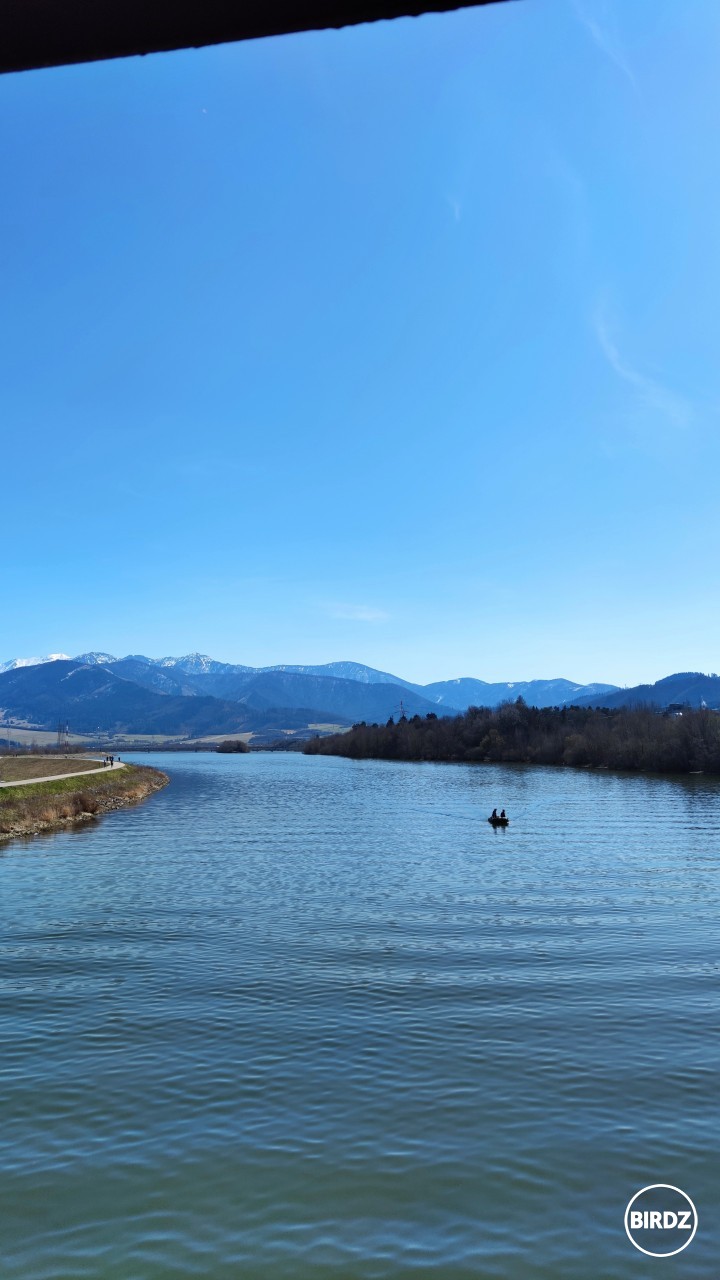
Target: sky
(396, 344)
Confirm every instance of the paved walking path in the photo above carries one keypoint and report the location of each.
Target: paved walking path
(56, 777)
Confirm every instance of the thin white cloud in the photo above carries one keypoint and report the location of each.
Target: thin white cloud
(455, 207)
(573, 191)
(357, 613)
(674, 408)
(603, 30)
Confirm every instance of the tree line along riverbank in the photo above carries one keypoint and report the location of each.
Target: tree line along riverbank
(627, 738)
(44, 806)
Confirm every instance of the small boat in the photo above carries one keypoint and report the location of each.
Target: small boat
(499, 822)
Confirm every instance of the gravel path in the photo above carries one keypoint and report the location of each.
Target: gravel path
(56, 777)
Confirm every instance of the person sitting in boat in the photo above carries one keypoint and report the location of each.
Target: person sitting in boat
(502, 813)
(493, 816)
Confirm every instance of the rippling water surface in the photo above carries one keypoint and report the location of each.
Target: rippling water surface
(306, 1017)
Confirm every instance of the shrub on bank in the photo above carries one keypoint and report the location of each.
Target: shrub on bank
(31, 808)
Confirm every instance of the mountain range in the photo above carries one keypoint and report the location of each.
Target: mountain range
(195, 695)
(197, 673)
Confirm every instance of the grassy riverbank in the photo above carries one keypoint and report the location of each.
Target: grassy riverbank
(43, 806)
(23, 768)
(635, 738)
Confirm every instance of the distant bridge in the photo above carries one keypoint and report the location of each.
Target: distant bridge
(48, 33)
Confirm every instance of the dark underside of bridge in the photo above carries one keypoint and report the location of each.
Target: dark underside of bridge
(47, 33)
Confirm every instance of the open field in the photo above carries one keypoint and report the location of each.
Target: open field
(38, 737)
(21, 768)
(103, 742)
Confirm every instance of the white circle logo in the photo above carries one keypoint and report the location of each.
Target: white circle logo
(661, 1220)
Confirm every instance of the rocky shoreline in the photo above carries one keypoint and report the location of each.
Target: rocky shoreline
(55, 805)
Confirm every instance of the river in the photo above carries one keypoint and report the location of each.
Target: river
(309, 1017)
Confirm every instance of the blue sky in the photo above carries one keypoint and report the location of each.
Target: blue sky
(397, 344)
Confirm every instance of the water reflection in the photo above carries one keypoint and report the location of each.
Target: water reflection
(317, 1017)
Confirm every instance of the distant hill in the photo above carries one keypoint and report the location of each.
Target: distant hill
(133, 696)
(691, 687)
(349, 699)
(347, 671)
(198, 673)
(336, 700)
(229, 680)
(94, 699)
(120, 694)
(467, 692)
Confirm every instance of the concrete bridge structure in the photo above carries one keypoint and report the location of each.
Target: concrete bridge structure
(48, 33)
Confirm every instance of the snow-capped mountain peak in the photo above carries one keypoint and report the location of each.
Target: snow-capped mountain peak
(199, 663)
(14, 663)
